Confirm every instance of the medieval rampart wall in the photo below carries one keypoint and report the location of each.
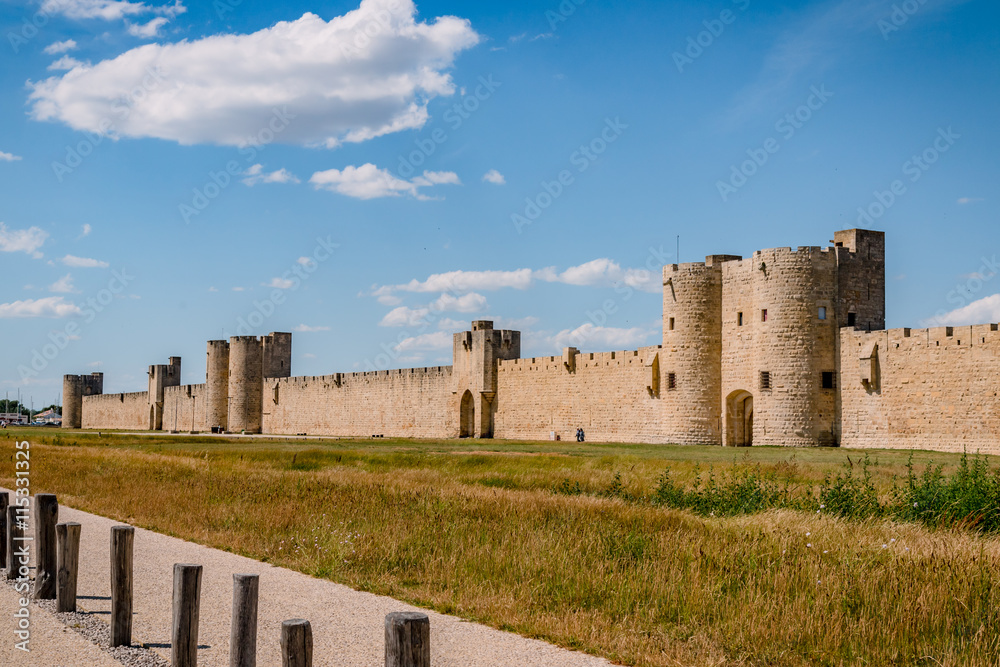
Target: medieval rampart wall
(184, 408)
(613, 396)
(921, 388)
(411, 402)
(128, 412)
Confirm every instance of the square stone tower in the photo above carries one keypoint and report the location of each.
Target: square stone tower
(475, 357)
(861, 279)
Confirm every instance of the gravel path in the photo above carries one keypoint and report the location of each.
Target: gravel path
(52, 644)
(347, 625)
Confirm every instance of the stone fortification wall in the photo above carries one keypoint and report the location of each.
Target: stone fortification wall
(611, 395)
(412, 402)
(127, 412)
(184, 408)
(933, 388)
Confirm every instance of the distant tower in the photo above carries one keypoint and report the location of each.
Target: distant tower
(277, 355)
(161, 376)
(246, 384)
(75, 387)
(476, 356)
(691, 363)
(217, 384)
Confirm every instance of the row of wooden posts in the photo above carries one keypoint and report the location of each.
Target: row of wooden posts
(57, 549)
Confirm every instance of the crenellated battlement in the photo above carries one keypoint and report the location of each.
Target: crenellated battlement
(184, 390)
(339, 379)
(639, 357)
(119, 397)
(937, 337)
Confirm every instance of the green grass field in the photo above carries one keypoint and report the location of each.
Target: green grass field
(560, 541)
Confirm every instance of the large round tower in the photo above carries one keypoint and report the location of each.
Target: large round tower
(75, 387)
(246, 384)
(72, 401)
(217, 384)
(690, 363)
(780, 340)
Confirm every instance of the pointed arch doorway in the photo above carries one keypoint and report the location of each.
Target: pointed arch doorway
(467, 416)
(739, 419)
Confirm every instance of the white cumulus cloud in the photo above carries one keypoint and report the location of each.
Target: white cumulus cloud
(85, 230)
(449, 324)
(9, 157)
(56, 48)
(305, 328)
(389, 300)
(601, 272)
(429, 341)
(495, 177)
(467, 303)
(280, 283)
(64, 285)
(332, 81)
(84, 262)
(371, 182)
(594, 337)
(52, 306)
(462, 281)
(404, 316)
(22, 240)
(256, 174)
(66, 63)
(980, 311)
(147, 30)
(107, 10)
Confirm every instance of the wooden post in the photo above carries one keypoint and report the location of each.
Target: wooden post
(184, 633)
(4, 504)
(296, 643)
(121, 585)
(46, 517)
(243, 634)
(407, 639)
(15, 533)
(67, 565)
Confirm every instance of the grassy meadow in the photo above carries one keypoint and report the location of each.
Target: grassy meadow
(567, 542)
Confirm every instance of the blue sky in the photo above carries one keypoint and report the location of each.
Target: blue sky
(373, 177)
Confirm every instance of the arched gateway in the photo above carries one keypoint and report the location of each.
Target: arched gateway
(739, 419)
(467, 416)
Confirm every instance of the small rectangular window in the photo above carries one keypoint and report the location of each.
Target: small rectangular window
(765, 380)
(851, 319)
(822, 312)
(829, 380)
(739, 319)
(671, 324)
(763, 315)
(671, 381)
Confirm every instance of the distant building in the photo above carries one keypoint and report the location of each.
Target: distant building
(49, 416)
(13, 418)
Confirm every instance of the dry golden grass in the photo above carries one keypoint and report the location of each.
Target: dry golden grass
(637, 584)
